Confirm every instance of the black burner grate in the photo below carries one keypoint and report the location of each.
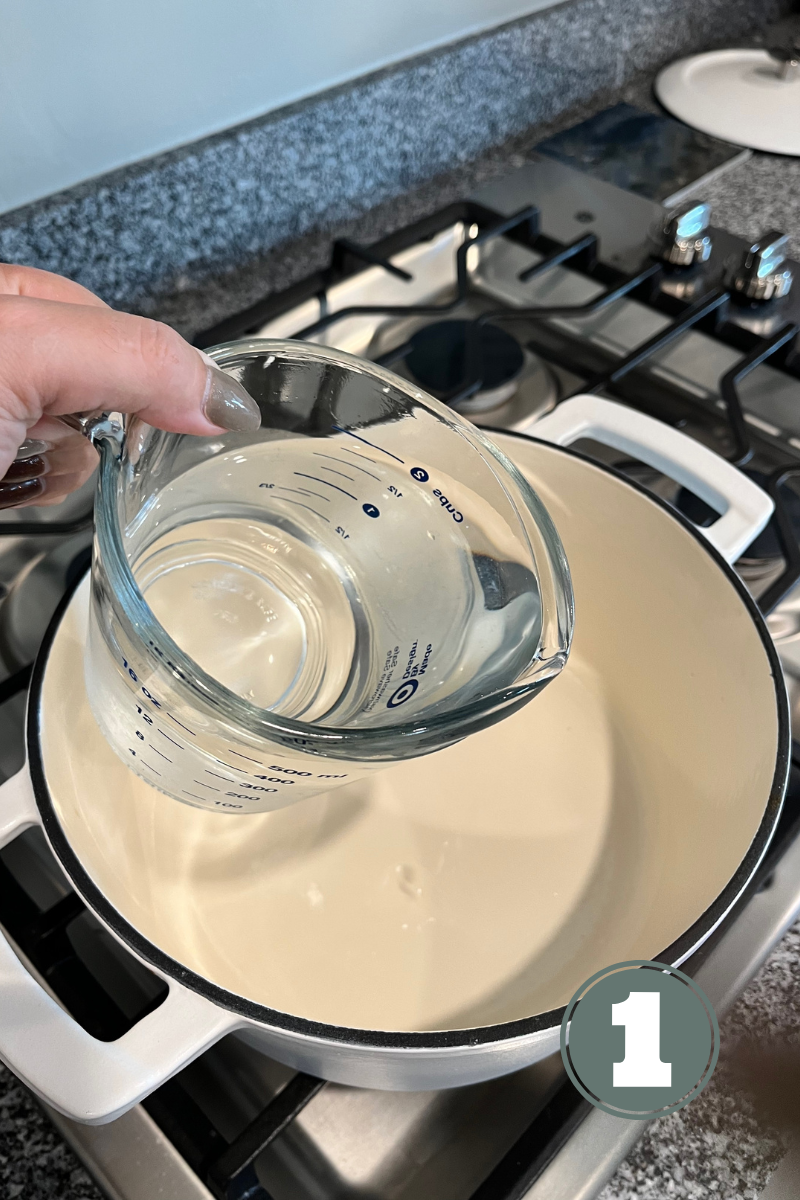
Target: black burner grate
(623, 379)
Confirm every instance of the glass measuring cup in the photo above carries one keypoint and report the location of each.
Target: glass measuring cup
(365, 579)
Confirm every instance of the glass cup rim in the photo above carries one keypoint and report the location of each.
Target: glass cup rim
(144, 628)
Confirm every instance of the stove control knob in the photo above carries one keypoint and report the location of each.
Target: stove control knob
(685, 241)
(763, 274)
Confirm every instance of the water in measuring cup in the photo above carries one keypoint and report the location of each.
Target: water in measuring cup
(326, 582)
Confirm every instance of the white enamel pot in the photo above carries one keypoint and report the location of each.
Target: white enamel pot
(620, 815)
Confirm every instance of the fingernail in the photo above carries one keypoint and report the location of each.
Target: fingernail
(26, 468)
(15, 493)
(227, 404)
(32, 446)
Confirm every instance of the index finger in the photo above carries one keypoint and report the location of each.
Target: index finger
(60, 359)
(43, 285)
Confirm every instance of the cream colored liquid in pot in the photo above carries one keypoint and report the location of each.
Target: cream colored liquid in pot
(413, 900)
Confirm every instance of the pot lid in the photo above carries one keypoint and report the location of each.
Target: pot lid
(748, 97)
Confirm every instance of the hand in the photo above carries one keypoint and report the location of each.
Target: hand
(63, 351)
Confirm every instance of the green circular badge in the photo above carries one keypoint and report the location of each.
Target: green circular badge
(640, 1039)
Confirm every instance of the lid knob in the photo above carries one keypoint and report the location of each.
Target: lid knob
(787, 58)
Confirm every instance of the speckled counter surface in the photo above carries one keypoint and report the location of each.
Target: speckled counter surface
(761, 194)
(35, 1164)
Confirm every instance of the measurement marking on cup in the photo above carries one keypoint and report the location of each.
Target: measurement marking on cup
(230, 766)
(247, 758)
(353, 466)
(281, 487)
(371, 445)
(326, 482)
(177, 722)
(169, 739)
(216, 776)
(311, 510)
(152, 747)
(363, 458)
(193, 795)
(210, 786)
(144, 764)
(308, 492)
(333, 470)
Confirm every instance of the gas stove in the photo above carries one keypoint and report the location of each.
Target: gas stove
(542, 285)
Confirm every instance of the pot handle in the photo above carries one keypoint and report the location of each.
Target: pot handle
(743, 506)
(86, 1079)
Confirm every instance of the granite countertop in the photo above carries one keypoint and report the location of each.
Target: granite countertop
(35, 1163)
(716, 1146)
(760, 194)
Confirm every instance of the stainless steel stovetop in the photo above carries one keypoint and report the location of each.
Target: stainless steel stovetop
(666, 338)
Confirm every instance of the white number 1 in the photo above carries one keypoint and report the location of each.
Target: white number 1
(642, 1065)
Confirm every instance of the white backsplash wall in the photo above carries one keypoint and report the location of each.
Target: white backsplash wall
(90, 85)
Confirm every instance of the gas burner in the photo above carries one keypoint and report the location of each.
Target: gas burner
(517, 386)
(439, 361)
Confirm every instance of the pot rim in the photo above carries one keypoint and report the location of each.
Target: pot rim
(467, 1038)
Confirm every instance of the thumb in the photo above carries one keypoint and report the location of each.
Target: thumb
(57, 359)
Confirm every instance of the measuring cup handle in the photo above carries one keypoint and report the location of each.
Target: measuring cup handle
(743, 506)
(76, 1074)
